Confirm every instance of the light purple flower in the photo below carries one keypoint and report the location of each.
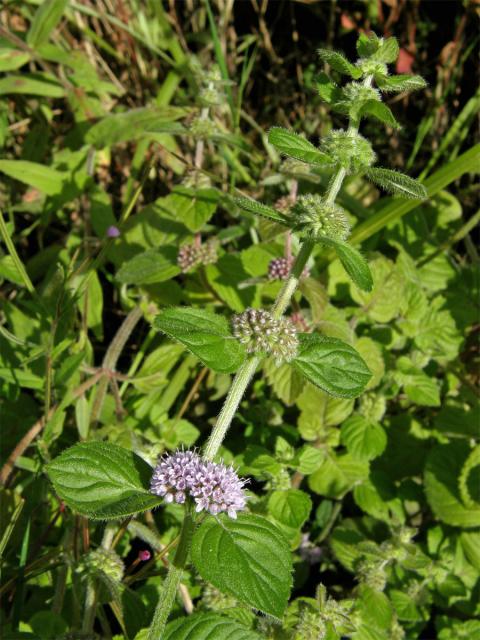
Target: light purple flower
(113, 232)
(213, 486)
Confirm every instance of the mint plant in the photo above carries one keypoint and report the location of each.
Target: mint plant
(243, 554)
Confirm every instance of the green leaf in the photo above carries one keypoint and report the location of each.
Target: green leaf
(35, 84)
(332, 365)
(294, 146)
(337, 475)
(102, 481)
(193, 207)
(327, 90)
(364, 439)
(388, 51)
(290, 507)
(36, 175)
(285, 381)
(204, 333)
(396, 182)
(442, 471)
(380, 111)
(11, 59)
(353, 262)
(248, 558)
(260, 209)
(367, 45)
(46, 18)
(149, 267)
(208, 626)
(339, 63)
(401, 83)
(130, 125)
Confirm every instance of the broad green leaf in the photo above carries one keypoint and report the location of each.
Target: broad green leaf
(469, 480)
(388, 51)
(364, 439)
(339, 63)
(308, 459)
(249, 558)
(204, 333)
(401, 83)
(208, 626)
(290, 507)
(294, 146)
(319, 412)
(442, 472)
(327, 90)
(11, 59)
(193, 207)
(39, 176)
(229, 280)
(332, 365)
(367, 45)
(260, 209)
(102, 481)
(386, 277)
(46, 18)
(380, 111)
(285, 381)
(34, 84)
(149, 267)
(397, 183)
(371, 352)
(337, 475)
(354, 263)
(471, 546)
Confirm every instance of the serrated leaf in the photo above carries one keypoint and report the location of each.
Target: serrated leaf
(339, 63)
(367, 45)
(102, 481)
(260, 209)
(442, 470)
(46, 18)
(294, 146)
(248, 558)
(287, 383)
(208, 626)
(396, 182)
(337, 475)
(380, 111)
(353, 262)
(150, 267)
(290, 507)
(364, 439)
(327, 90)
(206, 334)
(388, 51)
(401, 83)
(332, 365)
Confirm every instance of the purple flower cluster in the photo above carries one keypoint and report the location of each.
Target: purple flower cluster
(213, 486)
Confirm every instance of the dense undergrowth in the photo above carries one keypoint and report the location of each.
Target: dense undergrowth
(138, 141)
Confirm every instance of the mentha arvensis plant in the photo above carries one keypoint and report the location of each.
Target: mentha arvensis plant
(226, 538)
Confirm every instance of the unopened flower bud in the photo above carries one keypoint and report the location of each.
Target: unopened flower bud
(317, 218)
(261, 333)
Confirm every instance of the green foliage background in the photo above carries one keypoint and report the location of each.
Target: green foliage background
(378, 497)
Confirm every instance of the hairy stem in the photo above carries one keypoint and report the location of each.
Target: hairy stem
(239, 385)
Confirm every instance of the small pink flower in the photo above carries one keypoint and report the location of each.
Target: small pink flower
(144, 555)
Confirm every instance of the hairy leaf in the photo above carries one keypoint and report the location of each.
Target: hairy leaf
(208, 626)
(396, 182)
(388, 51)
(149, 267)
(260, 209)
(248, 558)
(380, 111)
(401, 83)
(354, 263)
(294, 146)
(332, 365)
(327, 90)
(102, 481)
(367, 45)
(206, 334)
(339, 63)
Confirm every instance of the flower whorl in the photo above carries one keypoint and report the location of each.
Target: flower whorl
(214, 487)
(260, 332)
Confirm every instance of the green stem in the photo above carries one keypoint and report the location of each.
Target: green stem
(172, 581)
(239, 385)
(14, 255)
